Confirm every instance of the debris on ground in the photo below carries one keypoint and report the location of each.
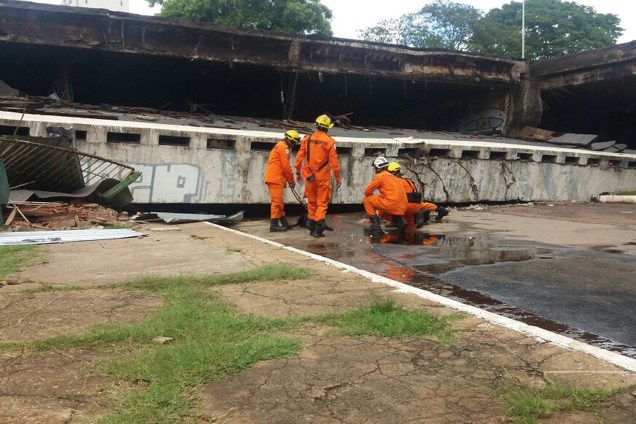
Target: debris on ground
(14, 238)
(180, 218)
(25, 216)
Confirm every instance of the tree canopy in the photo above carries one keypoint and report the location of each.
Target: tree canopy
(291, 17)
(553, 28)
(443, 24)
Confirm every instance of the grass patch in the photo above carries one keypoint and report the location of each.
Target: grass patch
(47, 287)
(526, 406)
(234, 249)
(386, 318)
(263, 273)
(13, 258)
(210, 339)
(626, 193)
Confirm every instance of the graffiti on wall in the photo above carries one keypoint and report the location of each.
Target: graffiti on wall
(167, 183)
(488, 120)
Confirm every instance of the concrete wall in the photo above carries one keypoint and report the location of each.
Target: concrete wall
(221, 166)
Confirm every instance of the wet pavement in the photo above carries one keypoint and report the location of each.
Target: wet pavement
(505, 263)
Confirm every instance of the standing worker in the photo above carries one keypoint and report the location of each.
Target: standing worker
(390, 204)
(277, 175)
(417, 210)
(318, 152)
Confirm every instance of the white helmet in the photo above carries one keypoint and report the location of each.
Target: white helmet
(380, 163)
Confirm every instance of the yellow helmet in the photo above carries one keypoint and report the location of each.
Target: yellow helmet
(324, 121)
(293, 136)
(393, 167)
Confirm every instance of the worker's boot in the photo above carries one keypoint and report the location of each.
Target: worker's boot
(441, 213)
(375, 230)
(283, 220)
(422, 218)
(310, 225)
(319, 228)
(277, 226)
(400, 226)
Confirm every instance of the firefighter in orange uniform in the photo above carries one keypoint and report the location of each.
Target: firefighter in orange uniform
(390, 204)
(318, 152)
(417, 207)
(277, 175)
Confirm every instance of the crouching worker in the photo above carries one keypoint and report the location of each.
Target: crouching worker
(417, 211)
(277, 175)
(390, 204)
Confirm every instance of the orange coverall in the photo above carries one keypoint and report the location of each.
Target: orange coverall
(392, 198)
(278, 174)
(413, 208)
(318, 191)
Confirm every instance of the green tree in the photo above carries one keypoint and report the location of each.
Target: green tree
(553, 28)
(291, 17)
(442, 24)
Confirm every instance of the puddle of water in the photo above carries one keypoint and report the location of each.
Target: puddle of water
(487, 303)
(422, 255)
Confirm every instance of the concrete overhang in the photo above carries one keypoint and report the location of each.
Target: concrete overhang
(591, 92)
(609, 63)
(80, 28)
(177, 65)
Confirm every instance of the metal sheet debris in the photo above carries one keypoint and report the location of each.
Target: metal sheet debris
(179, 218)
(572, 139)
(50, 237)
(40, 164)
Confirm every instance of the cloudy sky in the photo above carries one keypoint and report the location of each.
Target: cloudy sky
(349, 16)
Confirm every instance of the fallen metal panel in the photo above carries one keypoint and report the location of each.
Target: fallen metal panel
(174, 218)
(120, 199)
(49, 237)
(41, 165)
(574, 139)
(602, 145)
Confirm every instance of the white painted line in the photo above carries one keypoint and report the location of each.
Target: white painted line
(548, 336)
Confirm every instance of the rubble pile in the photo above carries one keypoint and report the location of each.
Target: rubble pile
(24, 216)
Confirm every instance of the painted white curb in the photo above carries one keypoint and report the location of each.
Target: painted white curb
(557, 339)
(613, 198)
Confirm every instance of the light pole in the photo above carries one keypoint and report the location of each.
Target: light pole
(523, 29)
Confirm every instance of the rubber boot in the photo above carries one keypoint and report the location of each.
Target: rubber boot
(277, 226)
(422, 218)
(400, 226)
(283, 220)
(441, 213)
(319, 228)
(310, 225)
(375, 230)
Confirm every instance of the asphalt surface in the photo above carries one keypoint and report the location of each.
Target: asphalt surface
(566, 272)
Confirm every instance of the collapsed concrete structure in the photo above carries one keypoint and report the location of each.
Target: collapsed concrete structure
(446, 116)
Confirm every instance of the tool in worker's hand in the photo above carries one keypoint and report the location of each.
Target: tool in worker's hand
(302, 219)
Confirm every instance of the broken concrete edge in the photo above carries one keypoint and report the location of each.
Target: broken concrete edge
(614, 358)
(614, 198)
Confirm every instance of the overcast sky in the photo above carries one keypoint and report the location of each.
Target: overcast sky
(349, 16)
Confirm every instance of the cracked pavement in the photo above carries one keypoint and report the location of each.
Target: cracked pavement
(332, 379)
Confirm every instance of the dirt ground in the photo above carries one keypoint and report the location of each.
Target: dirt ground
(345, 380)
